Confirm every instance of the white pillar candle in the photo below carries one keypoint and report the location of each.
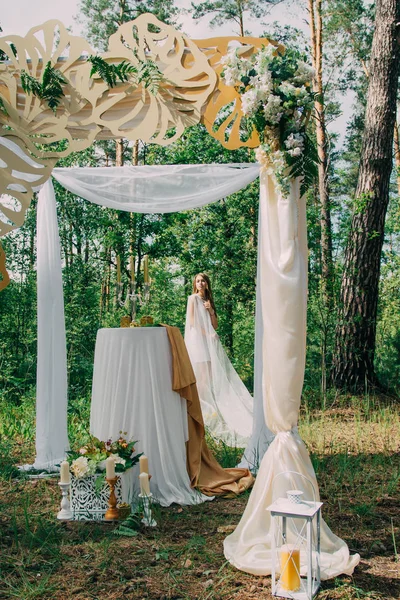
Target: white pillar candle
(110, 468)
(144, 484)
(65, 476)
(144, 464)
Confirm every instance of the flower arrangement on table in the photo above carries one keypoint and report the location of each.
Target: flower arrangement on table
(89, 490)
(91, 458)
(277, 98)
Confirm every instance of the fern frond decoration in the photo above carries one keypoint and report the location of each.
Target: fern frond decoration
(146, 73)
(2, 107)
(110, 73)
(50, 89)
(129, 527)
(150, 76)
(305, 165)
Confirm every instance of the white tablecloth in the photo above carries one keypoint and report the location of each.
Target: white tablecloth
(132, 393)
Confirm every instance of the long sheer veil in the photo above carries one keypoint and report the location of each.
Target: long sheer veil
(226, 404)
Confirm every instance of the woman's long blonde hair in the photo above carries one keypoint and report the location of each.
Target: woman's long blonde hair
(207, 292)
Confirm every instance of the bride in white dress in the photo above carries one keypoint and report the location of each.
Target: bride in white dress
(226, 404)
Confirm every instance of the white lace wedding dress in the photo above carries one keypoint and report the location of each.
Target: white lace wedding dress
(226, 404)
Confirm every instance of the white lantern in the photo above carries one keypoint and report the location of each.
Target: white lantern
(295, 545)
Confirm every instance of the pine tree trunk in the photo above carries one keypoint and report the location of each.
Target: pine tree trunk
(356, 330)
(397, 154)
(119, 152)
(323, 155)
(135, 153)
(119, 248)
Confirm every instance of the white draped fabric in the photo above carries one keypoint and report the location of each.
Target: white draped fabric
(156, 188)
(226, 404)
(248, 548)
(164, 188)
(283, 278)
(261, 436)
(51, 375)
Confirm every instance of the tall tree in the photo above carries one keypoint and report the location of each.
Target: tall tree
(102, 18)
(397, 153)
(315, 16)
(225, 11)
(356, 329)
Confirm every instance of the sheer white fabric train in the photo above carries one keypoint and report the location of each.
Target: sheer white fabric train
(226, 404)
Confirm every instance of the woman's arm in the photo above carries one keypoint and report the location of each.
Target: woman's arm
(213, 316)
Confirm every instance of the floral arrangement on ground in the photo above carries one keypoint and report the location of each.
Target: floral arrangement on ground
(91, 458)
(277, 98)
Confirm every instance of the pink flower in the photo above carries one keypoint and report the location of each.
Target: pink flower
(83, 450)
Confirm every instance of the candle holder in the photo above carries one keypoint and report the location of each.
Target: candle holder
(65, 513)
(147, 520)
(146, 291)
(112, 513)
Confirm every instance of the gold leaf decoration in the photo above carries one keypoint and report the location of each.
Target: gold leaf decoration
(229, 131)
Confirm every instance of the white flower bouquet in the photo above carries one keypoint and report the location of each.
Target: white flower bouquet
(277, 98)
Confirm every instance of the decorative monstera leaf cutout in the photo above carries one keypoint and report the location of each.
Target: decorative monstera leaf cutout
(20, 176)
(29, 117)
(133, 111)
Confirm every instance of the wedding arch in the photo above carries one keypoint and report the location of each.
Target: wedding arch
(194, 81)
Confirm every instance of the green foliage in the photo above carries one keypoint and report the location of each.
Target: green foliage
(149, 75)
(225, 11)
(305, 165)
(111, 73)
(130, 526)
(146, 73)
(2, 107)
(101, 18)
(50, 89)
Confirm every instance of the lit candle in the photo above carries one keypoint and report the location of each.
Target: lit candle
(146, 269)
(144, 464)
(65, 476)
(144, 484)
(290, 568)
(110, 468)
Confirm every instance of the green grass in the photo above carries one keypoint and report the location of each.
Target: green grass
(354, 449)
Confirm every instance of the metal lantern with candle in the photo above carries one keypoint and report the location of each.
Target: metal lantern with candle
(295, 539)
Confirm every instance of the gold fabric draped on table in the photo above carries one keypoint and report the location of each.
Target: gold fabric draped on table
(204, 471)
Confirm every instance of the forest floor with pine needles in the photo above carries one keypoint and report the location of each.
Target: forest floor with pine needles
(355, 452)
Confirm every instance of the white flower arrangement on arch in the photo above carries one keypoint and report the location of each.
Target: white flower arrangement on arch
(277, 99)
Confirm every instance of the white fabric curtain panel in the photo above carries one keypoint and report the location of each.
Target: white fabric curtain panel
(51, 374)
(283, 295)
